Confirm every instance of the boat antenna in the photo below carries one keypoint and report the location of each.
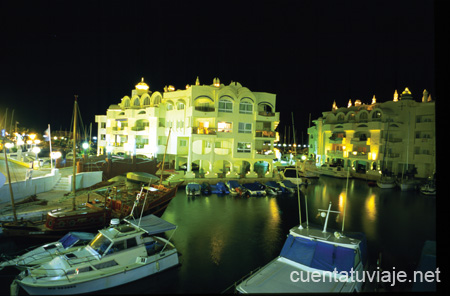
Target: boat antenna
(298, 189)
(346, 195)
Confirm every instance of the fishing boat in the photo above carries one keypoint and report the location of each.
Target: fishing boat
(38, 255)
(220, 188)
(332, 258)
(193, 189)
(274, 188)
(124, 252)
(255, 189)
(151, 199)
(235, 188)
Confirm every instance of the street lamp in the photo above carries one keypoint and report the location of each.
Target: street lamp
(36, 150)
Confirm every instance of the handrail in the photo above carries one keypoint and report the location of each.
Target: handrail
(235, 284)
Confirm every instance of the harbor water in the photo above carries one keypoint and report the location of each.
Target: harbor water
(222, 238)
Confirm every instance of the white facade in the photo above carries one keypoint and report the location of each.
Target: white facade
(224, 129)
(397, 135)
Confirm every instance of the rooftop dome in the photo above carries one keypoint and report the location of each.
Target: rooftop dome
(142, 85)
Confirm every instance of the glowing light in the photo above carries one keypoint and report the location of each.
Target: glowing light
(371, 207)
(142, 85)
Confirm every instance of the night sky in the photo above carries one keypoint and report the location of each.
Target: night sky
(309, 53)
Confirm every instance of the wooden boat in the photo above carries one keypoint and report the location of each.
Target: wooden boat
(89, 217)
(152, 199)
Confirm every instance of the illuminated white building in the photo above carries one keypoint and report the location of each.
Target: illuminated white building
(226, 130)
(396, 135)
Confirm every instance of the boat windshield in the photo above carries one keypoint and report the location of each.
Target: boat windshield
(100, 243)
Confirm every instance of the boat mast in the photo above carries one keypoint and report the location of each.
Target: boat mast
(164, 157)
(9, 181)
(75, 107)
(298, 189)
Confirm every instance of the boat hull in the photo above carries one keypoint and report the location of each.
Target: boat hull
(110, 281)
(386, 185)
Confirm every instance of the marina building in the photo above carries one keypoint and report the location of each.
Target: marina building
(219, 130)
(397, 136)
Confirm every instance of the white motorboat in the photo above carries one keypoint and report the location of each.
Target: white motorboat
(312, 260)
(124, 252)
(407, 184)
(68, 243)
(333, 171)
(308, 169)
(193, 189)
(293, 175)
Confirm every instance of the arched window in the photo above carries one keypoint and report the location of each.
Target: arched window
(146, 101)
(340, 117)
(136, 102)
(225, 106)
(245, 107)
(376, 116)
(363, 117)
(126, 103)
(169, 106)
(180, 105)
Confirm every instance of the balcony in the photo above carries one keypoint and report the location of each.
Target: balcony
(335, 153)
(359, 155)
(264, 134)
(203, 131)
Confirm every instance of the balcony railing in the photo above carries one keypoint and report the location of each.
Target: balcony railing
(138, 128)
(204, 108)
(265, 134)
(265, 113)
(203, 131)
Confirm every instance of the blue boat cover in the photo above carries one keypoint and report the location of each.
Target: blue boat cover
(220, 188)
(318, 254)
(288, 183)
(71, 238)
(272, 184)
(253, 186)
(153, 224)
(234, 184)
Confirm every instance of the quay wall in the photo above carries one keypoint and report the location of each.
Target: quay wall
(31, 186)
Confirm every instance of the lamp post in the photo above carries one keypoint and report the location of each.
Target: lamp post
(36, 150)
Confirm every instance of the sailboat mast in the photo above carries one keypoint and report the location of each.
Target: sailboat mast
(164, 157)
(298, 189)
(10, 187)
(74, 151)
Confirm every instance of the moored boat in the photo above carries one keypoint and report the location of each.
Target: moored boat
(124, 252)
(333, 171)
(235, 188)
(220, 188)
(310, 251)
(68, 243)
(193, 189)
(255, 189)
(274, 187)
